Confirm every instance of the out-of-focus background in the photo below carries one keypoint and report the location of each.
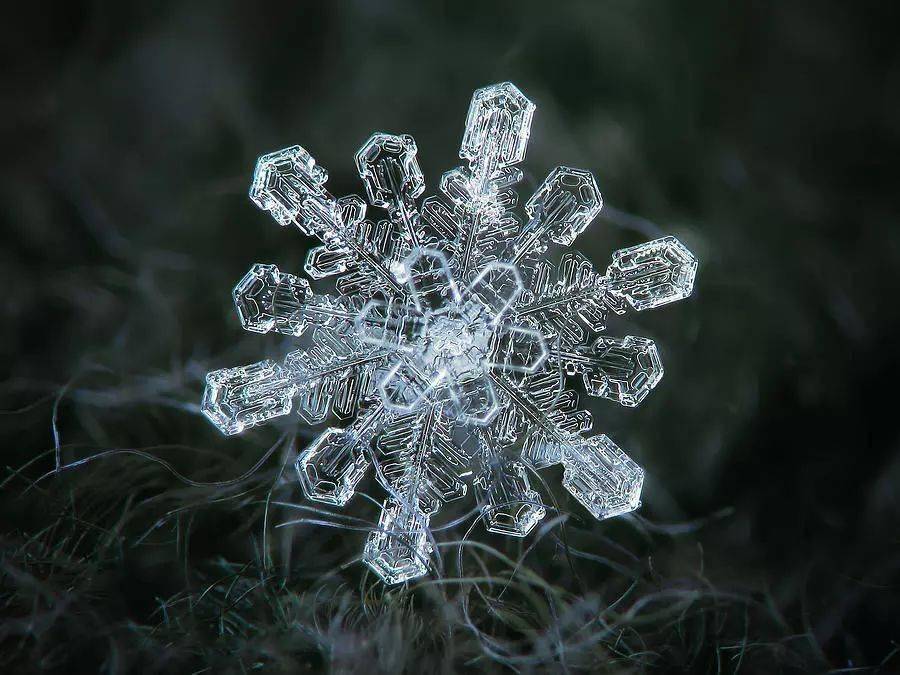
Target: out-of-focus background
(764, 135)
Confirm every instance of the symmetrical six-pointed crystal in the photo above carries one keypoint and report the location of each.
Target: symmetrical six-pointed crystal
(448, 342)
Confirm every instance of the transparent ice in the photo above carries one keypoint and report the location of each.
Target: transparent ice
(444, 353)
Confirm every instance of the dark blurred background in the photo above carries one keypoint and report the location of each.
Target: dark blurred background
(764, 135)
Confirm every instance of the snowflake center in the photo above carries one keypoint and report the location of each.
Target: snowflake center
(454, 343)
(450, 339)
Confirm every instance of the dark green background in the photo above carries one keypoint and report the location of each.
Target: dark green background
(763, 134)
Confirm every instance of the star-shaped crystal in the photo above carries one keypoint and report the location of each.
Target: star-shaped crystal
(446, 347)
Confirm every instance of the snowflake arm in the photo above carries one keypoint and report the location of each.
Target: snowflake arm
(420, 469)
(508, 504)
(561, 208)
(332, 465)
(291, 186)
(497, 130)
(393, 180)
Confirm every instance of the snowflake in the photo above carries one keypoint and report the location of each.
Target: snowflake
(451, 334)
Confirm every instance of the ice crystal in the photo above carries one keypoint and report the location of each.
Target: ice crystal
(447, 344)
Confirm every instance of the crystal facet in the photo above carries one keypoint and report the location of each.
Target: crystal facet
(511, 507)
(335, 462)
(237, 398)
(399, 549)
(389, 170)
(445, 351)
(602, 477)
(653, 274)
(267, 300)
(497, 128)
(565, 204)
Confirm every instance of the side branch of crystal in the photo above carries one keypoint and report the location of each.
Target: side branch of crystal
(548, 438)
(441, 361)
(571, 301)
